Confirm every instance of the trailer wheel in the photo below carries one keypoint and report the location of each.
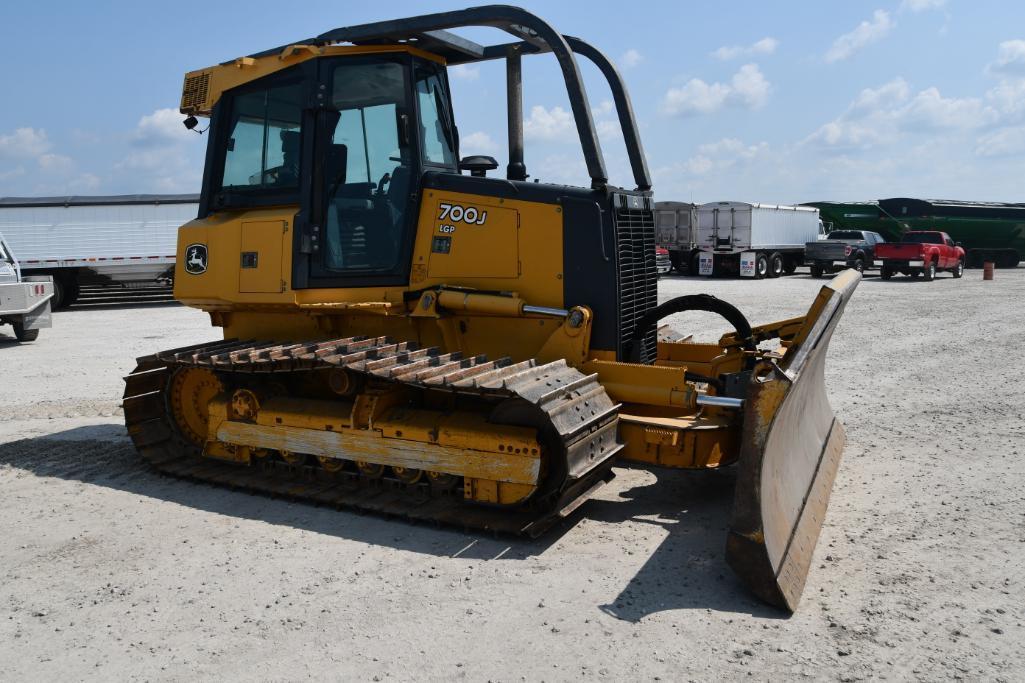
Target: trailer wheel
(959, 268)
(761, 266)
(695, 264)
(57, 300)
(24, 335)
(789, 266)
(776, 264)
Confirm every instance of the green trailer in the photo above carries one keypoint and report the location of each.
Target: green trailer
(989, 231)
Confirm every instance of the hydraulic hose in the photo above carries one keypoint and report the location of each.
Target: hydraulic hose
(691, 302)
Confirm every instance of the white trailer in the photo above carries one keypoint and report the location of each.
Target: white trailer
(676, 228)
(754, 240)
(126, 240)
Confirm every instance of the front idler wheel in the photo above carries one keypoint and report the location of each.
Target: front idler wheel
(190, 394)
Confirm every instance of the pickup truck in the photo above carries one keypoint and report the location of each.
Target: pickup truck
(842, 249)
(663, 262)
(921, 252)
(24, 302)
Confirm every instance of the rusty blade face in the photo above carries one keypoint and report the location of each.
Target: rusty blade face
(791, 450)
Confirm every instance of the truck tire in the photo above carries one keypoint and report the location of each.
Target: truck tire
(761, 266)
(885, 272)
(816, 271)
(677, 261)
(789, 266)
(24, 335)
(859, 265)
(776, 264)
(959, 268)
(57, 300)
(929, 272)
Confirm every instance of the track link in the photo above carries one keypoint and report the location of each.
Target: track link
(579, 417)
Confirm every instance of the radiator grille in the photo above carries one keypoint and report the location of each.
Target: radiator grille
(194, 93)
(638, 279)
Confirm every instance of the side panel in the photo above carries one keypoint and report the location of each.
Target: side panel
(478, 240)
(783, 227)
(262, 256)
(493, 255)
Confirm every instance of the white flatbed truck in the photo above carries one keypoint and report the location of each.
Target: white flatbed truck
(24, 302)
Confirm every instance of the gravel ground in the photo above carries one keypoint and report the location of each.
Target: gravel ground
(108, 570)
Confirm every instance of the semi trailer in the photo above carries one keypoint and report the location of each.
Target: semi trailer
(126, 241)
(675, 224)
(754, 240)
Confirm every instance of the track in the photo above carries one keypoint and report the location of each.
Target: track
(576, 414)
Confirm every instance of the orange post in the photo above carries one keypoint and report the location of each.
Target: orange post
(987, 270)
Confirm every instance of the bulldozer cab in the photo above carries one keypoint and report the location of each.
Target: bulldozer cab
(384, 120)
(346, 125)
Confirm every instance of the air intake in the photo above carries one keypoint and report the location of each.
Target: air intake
(638, 279)
(194, 93)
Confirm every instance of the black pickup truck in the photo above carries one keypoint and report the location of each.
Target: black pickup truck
(842, 249)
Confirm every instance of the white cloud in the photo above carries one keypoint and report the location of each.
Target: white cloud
(750, 88)
(930, 110)
(465, 72)
(765, 46)
(24, 143)
(921, 5)
(732, 148)
(630, 59)
(477, 142)
(55, 163)
(880, 115)
(568, 169)
(162, 156)
(1010, 60)
(608, 129)
(711, 158)
(161, 127)
(548, 124)
(747, 89)
(866, 33)
(1005, 142)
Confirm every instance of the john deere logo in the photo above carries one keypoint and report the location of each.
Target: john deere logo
(195, 259)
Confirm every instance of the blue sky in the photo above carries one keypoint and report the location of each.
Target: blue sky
(778, 102)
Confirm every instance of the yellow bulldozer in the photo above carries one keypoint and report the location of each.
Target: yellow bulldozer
(403, 333)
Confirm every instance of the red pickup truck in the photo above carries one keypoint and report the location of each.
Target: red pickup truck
(921, 252)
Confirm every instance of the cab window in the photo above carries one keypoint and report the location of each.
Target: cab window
(436, 127)
(262, 151)
(367, 170)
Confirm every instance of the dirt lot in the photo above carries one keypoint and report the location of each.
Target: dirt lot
(108, 570)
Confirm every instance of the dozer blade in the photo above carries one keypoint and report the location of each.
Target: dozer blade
(790, 452)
